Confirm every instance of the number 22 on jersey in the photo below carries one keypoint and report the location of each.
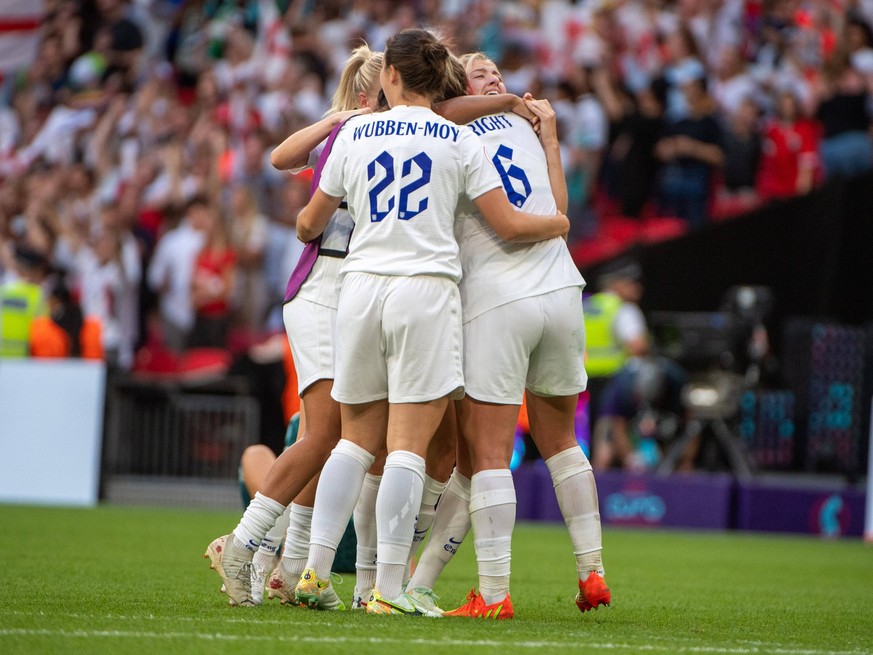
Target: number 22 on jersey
(414, 174)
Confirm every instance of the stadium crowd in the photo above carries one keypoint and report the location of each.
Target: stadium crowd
(134, 150)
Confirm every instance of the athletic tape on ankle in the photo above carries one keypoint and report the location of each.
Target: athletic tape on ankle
(372, 481)
(566, 464)
(433, 489)
(355, 452)
(459, 485)
(491, 498)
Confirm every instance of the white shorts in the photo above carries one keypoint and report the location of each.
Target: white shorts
(536, 343)
(311, 330)
(398, 338)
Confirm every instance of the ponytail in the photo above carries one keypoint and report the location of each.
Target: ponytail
(360, 73)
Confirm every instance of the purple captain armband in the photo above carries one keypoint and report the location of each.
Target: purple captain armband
(310, 251)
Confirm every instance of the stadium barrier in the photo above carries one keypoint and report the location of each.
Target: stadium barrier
(165, 442)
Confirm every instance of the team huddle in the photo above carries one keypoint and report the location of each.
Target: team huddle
(435, 294)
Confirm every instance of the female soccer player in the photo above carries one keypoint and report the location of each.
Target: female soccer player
(309, 316)
(531, 296)
(398, 319)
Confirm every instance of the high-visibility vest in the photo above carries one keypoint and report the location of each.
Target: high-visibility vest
(604, 354)
(20, 303)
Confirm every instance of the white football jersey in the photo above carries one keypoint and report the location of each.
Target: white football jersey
(495, 271)
(402, 173)
(322, 285)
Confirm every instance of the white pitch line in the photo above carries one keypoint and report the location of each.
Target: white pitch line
(466, 643)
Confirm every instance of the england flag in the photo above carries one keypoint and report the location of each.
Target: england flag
(20, 21)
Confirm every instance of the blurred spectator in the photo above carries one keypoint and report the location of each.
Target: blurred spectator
(636, 125)
(683, 66)
(283, 247)
(733, 84)
(858, 38)
(249, 230)
(691, 152)
(170, 274)
(615, 328)
(586, 132)
(846, 148)
(66, 331)
(22, 299)
(103, 287)
(789, 153)
(126, 40)
(742, 154)
(212, 280)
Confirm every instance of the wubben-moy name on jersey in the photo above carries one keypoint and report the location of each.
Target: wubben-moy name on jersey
(389, 127)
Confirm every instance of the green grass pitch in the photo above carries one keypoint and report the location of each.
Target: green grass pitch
(128, 580)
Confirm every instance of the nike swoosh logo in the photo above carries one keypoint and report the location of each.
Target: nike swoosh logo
(421, 531)
(457, 543)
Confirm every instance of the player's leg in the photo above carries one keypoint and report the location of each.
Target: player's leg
(410, 428)
(423, 358)
(283, 581)
(289, 474)
(361, 388)
(492, 504)
(495, 374)
(336, 496)
(254, 464)
(451, 522)
(292, 470)
(553, 391)
(439, 463)
(365, 533)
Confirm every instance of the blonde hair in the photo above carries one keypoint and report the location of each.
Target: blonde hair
(470, 57)
(359, 75)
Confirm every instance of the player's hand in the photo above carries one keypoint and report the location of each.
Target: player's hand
(520, 107)
(548, 120)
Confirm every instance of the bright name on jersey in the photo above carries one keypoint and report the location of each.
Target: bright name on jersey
(406, 128)
(489, 124)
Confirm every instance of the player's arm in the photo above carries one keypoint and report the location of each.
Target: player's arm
(294, 151)
(513, 225)
(551, 146)
(464, 109)
(313, 218)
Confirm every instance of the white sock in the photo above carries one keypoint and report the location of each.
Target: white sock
(492, 514)
(259, 517)
(335, 499)
(574, 485)
(296, 550)
(272, 541)
(451, 524)
(433, 489)
(365, 532)
(398, 500)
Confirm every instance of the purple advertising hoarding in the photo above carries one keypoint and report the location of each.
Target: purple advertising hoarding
(829, 513)
(701, 501)
(640, 500)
